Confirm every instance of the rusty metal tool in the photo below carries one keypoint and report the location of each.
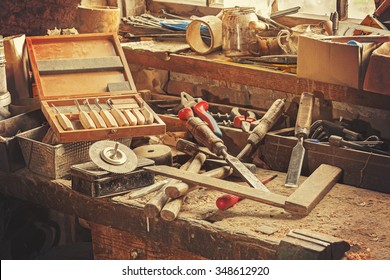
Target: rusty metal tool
(338, 141)
(84, 118)
(201, 131)
(106, 115)
(65, 123)
(113, 156)
(302, 130)
(97, 119)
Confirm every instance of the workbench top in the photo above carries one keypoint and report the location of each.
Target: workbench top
(247, 230)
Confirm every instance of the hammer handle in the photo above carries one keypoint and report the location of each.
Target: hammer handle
(180, 188)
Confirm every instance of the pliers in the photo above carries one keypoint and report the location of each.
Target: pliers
(200, 108)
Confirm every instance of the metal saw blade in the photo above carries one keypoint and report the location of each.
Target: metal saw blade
(128, 159)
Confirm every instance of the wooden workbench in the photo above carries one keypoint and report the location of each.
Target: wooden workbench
(249, 230)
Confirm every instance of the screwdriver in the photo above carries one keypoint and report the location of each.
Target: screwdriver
(202, 132)
(65, 123)
(106, 115)
(84, 118)
(226, 200)
(97, 119)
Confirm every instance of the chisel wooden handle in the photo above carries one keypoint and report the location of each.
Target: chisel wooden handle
(302, 126)
(106, 115)
(97, 119)
(153, 207)
(118, 115)
(84, 118)
(171, 209)
(130, 117)
(149, 119)
(65, 123)
(140, 117)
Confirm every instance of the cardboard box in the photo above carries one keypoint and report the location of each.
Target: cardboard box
(334, 63)
(378, 72)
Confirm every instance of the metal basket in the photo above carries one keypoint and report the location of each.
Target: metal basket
(53, 161)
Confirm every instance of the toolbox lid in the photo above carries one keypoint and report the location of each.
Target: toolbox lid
(79, 66)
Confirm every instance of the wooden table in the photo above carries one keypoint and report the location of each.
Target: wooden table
(249, 230)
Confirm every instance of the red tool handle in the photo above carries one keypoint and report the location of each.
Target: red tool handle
(226, 201)
(200, 109)
(185, 113)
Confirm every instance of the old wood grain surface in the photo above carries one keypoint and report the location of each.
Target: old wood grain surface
(346, 212)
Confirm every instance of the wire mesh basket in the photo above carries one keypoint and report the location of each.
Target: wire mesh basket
(53, 161)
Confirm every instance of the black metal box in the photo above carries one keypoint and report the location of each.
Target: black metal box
(90, 180)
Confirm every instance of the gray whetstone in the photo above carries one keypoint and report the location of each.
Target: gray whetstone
(79, 65)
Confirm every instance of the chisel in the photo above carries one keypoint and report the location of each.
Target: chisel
(118, 115)
(84, 118)
(65, 123)
(201, 131)
(147, 114)
(130, 117)
(140, 118)
(302, 130)
(97, 119)
(106, 115)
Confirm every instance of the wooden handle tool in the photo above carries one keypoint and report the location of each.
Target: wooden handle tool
(302, 130)
(118, 115)
(95, 116)
(130, 117)
(180, 188)
(147, 114)
(84, 118)
(153, 207)
(106, 115)
(140, 117)
(65, 123)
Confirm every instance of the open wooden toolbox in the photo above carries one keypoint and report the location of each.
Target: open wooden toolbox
(86, 67)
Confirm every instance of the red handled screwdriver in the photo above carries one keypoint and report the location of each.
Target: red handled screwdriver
(226, 201)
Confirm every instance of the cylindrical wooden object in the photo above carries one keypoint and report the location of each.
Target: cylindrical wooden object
(98, 19)
(195, 40)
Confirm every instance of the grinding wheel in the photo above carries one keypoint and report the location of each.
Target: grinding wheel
(113, 156)
(161, 154)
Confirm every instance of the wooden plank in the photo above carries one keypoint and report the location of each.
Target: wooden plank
(79, 65)
(307, 196)
(220, 185)
(241, 74)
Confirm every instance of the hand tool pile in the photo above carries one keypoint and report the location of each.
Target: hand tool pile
(171, 192)
(120, 113)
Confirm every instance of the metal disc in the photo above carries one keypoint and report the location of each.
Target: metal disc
(104, 155)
